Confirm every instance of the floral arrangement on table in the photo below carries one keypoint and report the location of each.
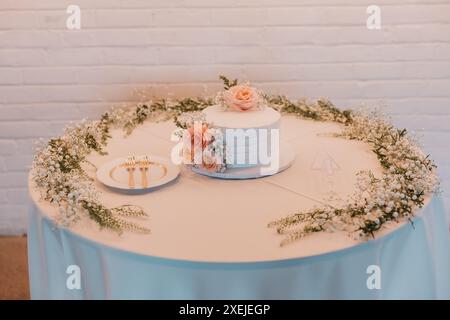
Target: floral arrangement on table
(409, 175)
(203, 145)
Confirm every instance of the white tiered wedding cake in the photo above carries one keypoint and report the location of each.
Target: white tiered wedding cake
(239, 138)
(244, 133)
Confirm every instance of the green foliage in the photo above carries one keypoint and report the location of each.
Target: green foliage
(227, 83)
(108, 218)
(382, 137)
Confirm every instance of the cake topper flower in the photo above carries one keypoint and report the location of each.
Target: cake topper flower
(239, 97)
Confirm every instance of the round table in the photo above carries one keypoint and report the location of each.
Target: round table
(210, 239)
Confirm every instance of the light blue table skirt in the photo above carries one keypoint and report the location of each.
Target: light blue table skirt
(414, 263)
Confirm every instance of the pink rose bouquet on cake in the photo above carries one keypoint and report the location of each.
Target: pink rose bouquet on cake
(240, 97)
(203, 147)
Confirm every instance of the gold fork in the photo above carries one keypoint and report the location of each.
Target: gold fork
(130, 165)
(143, 166)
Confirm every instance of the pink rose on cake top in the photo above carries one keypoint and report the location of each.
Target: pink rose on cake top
(242, 98)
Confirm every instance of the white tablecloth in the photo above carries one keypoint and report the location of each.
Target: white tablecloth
(209, 237)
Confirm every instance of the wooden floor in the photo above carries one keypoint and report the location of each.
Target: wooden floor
(13, 268)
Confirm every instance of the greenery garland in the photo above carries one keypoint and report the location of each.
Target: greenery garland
(409, 174)
(58, 165)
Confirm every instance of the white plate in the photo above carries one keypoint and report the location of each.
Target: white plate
(114, 175)
(287, 157)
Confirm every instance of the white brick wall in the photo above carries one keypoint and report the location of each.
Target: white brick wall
(50, 75)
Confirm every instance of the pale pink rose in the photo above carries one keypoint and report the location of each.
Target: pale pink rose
(208, 136)
(197, 133)
(242, 98)
(213, 167)
(210, 162)
(194, 142)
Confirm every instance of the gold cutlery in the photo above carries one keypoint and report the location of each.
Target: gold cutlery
(130, 165)
(144, 164)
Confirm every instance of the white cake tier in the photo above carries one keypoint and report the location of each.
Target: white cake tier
(247, 146)
(265, 118)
